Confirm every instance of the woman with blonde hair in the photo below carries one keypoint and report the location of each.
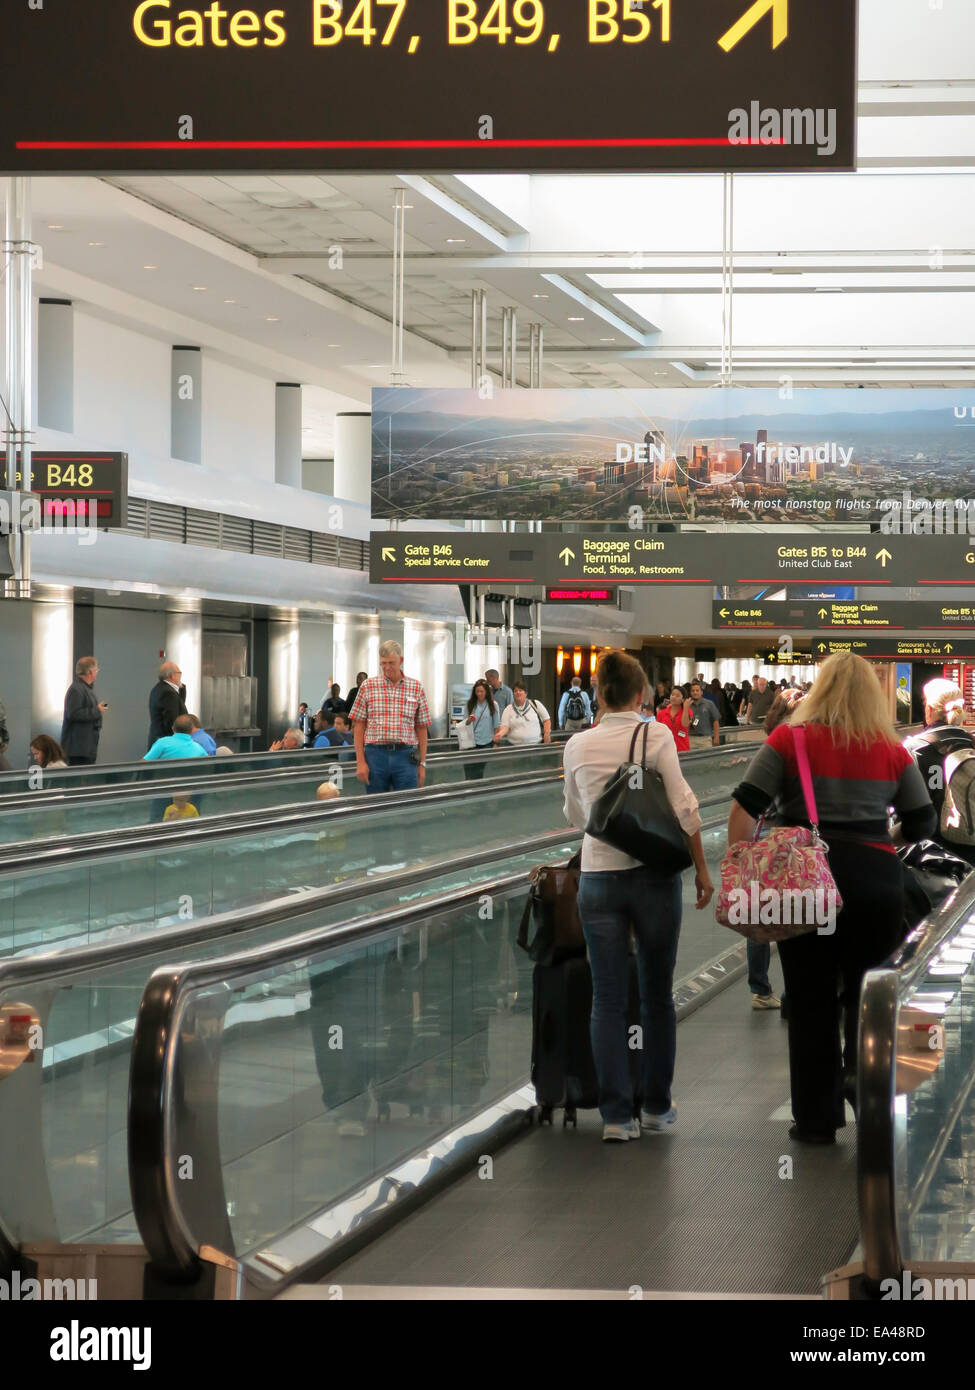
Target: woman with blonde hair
(859, 769)
(944, 713)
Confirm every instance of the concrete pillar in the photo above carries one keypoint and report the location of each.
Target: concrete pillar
(187, 405)
(55, 365)
(184, 645)
(353, 457)
(282, 676)
(52, 667)
(287, 433)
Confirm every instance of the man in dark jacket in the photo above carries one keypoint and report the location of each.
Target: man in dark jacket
(167, 701)
(353, 693)
(82, 724)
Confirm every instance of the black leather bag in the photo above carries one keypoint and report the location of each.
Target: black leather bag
(633, 814)
(931, 875)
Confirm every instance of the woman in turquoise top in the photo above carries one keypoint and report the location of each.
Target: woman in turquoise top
(485, 718)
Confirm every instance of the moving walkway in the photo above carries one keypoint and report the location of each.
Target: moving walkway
(441, 1029)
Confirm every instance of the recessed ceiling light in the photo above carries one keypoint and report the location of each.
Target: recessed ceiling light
(607, 340)
(96, 243)
(272, 318)
(55, 226)
(230, 301)
(576, 318)
(200, 288)
(539, 296)
(150, 267)
(333, 345)
(457, 241)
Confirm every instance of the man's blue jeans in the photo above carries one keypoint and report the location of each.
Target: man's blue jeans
(610, 905)
(758, 957)
(390, 771)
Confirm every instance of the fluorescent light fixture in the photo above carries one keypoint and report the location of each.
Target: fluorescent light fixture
(272, 318)
(150, 267)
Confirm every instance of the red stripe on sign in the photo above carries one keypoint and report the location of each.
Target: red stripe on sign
(633, 142)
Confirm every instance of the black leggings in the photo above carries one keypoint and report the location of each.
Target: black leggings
(823, 976)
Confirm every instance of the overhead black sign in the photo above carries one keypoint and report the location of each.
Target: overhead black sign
(171, 85)
(639, 557)
(896, 648)
(833, 615)
(66, 482)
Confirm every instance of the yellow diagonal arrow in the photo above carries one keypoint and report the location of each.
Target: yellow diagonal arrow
(389, 553)
(780, 23)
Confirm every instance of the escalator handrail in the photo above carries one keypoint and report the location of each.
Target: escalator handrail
(884, 989)
(171, 1247)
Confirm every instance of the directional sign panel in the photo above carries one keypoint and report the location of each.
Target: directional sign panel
(896, 648)
(834, 615)
(76, 484)
(638, 557)
(196, 86)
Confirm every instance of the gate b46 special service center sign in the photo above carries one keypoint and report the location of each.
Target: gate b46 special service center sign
(173, 85)
(734, 454)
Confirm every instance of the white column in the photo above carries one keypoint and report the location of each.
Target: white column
(55, 365)
(184, 645)
(426, 649)
(353, 457)
(282, 676)
(187, 405)
(52, 665)
(355, 647)
(287, 433)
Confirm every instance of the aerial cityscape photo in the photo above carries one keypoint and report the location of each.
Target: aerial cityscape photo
(731, 454)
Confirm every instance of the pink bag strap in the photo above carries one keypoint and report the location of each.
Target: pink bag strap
(805, 775)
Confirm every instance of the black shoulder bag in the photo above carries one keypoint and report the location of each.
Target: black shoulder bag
(633, 814)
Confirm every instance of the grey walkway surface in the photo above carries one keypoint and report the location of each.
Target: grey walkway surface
(726, 1203)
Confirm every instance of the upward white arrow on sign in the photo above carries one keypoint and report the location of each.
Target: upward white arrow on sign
(780, 23)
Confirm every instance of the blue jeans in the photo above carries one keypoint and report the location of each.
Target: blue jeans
(390, 771)
(758, 958)
(610, 905)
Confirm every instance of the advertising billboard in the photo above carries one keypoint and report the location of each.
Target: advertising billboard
(697, 455)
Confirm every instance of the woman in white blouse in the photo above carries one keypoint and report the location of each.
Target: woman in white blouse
(618, 895)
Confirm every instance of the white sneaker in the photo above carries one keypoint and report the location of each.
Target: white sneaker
(619, 1134)
(766, 1001)
(656, 1124)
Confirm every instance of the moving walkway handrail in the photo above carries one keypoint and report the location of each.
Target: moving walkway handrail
(75, 778)
(55, 797)
(26, 854)
(171, 1246)
(41, 853)
(18, 972)
(880, 1001)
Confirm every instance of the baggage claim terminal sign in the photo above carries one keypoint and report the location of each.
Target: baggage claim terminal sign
(403, 85)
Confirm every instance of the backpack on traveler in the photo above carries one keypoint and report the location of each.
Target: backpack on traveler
(576, 708)
(958, 808)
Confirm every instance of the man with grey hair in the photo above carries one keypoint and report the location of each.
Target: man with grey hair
(167, 701)
(82, 723)
(501, 692)
(390, 720)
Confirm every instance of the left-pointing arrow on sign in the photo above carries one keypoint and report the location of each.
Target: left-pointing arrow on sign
(780, 23)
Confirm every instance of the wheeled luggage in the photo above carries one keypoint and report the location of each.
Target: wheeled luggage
(563, 1071)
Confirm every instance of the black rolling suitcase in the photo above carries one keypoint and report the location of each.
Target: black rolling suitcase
(563, 1072)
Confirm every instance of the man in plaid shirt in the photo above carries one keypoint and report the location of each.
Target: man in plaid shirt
(390, 719)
